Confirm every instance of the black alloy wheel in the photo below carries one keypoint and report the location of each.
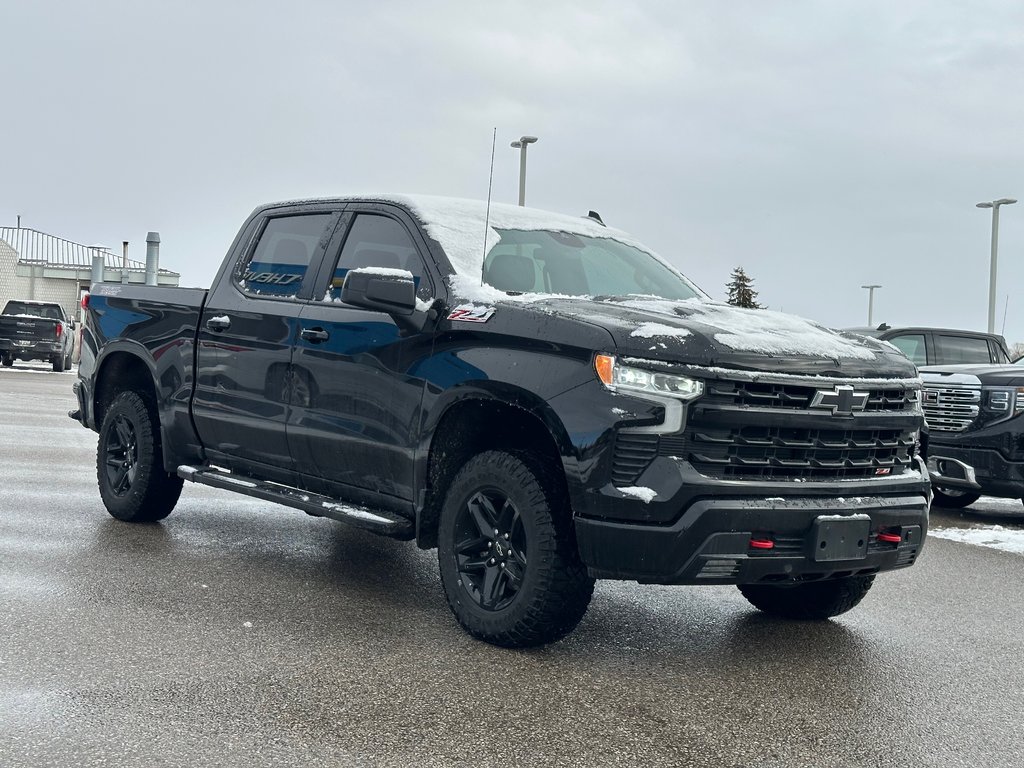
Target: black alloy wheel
(133, 484)
(507, 551)
(121, 454)
(490, 549)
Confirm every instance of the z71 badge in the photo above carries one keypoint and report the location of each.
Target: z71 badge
(467, 313)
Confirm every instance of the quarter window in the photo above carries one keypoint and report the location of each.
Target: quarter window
(282, 256)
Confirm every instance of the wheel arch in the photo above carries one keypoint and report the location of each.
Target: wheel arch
(479, 421)
(122, 369)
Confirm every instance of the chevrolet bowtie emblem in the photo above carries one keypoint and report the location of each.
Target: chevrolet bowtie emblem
(841, 400)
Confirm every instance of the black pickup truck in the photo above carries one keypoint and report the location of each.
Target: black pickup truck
(36, 330)
(975, 417)
(539, 397)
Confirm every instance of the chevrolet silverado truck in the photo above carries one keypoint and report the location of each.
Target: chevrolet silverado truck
(540, 397)
(36, 330)
(975, 416)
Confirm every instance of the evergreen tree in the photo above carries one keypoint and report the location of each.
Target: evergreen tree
(741, 290)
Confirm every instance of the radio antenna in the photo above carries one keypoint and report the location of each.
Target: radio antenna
(1006, 306)
(487, 215)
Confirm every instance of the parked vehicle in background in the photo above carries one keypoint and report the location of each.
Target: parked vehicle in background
(538, 396)
(36, 330)
(942, 346)
(975, 420)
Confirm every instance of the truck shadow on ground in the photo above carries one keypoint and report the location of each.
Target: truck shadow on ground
(275, 564)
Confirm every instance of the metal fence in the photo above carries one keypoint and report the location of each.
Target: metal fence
(36, 247)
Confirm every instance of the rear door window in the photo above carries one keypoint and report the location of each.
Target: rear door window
(912, 345)
(282, 255)
(954, 350)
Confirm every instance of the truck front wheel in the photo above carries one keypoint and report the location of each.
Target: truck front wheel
(813, 601)
(7, 361)
(129, 463)
(508, 559)
(952, 497)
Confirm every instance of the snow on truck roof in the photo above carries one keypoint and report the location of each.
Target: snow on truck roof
(458, 225)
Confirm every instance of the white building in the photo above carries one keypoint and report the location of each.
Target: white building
(42, 267)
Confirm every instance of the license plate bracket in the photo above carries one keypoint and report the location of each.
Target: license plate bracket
(840, 537)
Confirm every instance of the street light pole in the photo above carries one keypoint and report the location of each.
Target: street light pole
(871, 303)
(521, 146)
(994, 205)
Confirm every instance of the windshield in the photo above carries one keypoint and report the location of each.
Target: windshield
(543, 261)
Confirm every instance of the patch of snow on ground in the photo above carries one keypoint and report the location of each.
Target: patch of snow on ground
(652, 330)
(992, 536)
(646, 495)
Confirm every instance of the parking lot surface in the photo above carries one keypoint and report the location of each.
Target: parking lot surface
(238, 633)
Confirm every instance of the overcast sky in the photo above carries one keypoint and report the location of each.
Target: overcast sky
(820, 145)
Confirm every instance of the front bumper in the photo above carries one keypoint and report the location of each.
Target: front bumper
(711, 542)
(991, 473)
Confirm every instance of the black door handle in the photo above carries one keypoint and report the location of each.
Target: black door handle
(316, 335)
(219, 323)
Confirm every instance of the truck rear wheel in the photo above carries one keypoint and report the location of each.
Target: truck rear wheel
(58, 364)
(129, 463)
(812, 601)
(507, 554)
(951, 497)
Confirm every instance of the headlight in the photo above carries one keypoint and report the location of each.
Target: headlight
(1004, 401)
(617, 376)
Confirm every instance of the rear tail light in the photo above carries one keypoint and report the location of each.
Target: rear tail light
(59, 329)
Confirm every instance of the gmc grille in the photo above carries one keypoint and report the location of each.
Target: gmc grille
(950, 409)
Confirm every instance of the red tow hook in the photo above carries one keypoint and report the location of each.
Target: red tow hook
(762, 543)
(890, 538)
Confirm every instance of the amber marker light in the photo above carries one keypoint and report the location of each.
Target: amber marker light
(604, 364)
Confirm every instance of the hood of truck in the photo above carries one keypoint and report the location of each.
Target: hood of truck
(989, 375)
(710, 334)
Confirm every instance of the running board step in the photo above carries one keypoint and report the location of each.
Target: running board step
(376, 520)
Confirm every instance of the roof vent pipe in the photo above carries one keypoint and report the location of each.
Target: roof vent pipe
(152, 257)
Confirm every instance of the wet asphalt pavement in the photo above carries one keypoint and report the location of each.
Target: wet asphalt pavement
(238, 633)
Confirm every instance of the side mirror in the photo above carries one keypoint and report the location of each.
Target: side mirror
(384, 290)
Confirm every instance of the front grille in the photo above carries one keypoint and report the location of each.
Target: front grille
(796, 453)
(950, 409)
(766, 430)
(798, 397)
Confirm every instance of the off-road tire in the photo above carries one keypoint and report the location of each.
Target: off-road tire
(813, 601)
(129, 463)
(954, 499)
(544, 590)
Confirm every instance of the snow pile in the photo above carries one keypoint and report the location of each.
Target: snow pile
(646, 495)
(650, 330)
(993, 536)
